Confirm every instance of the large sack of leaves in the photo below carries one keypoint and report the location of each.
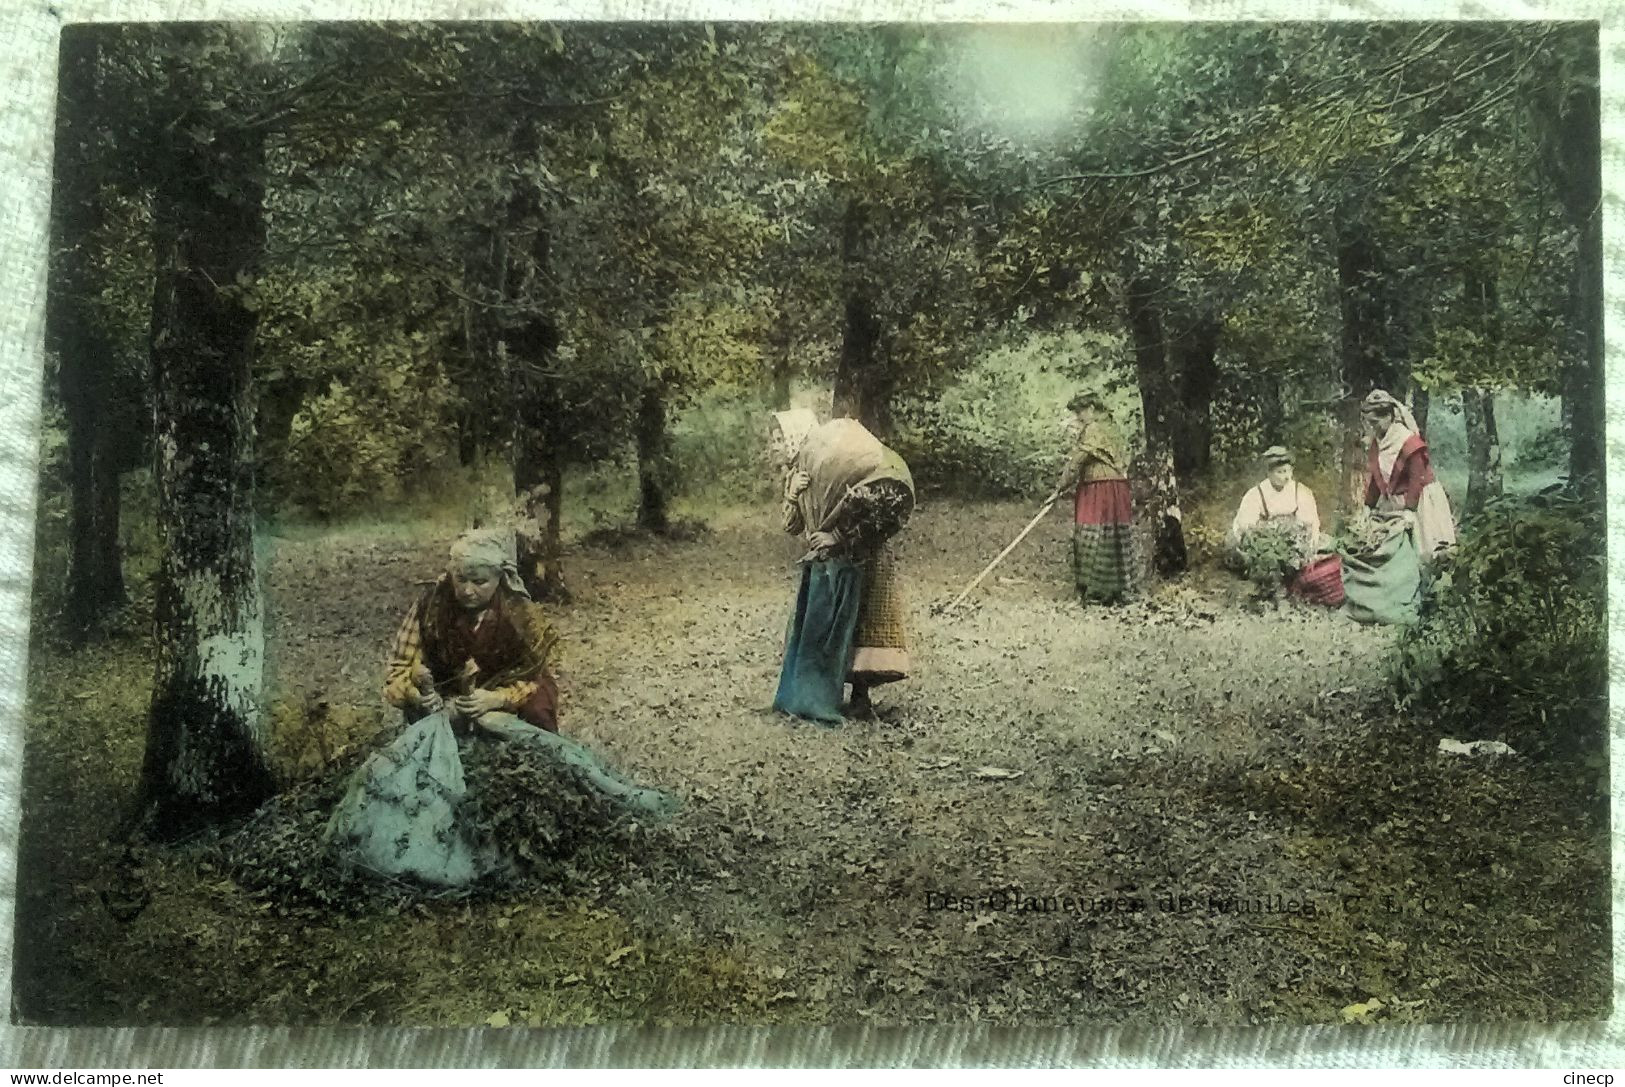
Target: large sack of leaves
(409, 810)
(1384, 586)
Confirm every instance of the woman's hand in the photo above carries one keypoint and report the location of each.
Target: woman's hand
(425, 696)
(797, 483)
(822, 542)
(478, 703)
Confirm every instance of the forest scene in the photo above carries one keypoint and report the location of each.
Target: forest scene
(507, 442)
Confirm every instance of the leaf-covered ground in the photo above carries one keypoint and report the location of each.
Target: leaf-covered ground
(1078, 765)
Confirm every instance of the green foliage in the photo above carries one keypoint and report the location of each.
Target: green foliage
(719, 447)
(1360, 533)
(1000, 429)
(1514, 644)
(1273, 551)
(347, 448)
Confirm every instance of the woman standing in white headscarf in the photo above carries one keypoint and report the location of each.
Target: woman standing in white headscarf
(475, 642)
(1400, 477)
(847, 495)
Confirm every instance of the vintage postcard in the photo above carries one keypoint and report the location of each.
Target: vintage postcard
(679, 523)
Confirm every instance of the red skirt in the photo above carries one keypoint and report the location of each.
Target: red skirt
(1321, 582)
(1104, 502)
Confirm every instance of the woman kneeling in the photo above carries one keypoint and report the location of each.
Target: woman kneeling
(475, 643)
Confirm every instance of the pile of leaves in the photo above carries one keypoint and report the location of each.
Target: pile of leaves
(280, 855)
(540, 812)
(1513, 645)
(1274, 550)
(1362, 533)
(547, 820)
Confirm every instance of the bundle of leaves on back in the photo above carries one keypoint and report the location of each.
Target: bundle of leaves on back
(1513, 643)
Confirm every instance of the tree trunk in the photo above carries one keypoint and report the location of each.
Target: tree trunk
(536, 481)
(518, 344)
(1582, 377)
(1195, 364)
(783, 344)
(1364, 358)
(95, 589)
(654, 460)
(1571, 144)
(862, 385)
(1421, 402)
(468, 443)
(205, 759)
(1272, 411)
(1159, 477)
(1478, 405)
(1483, 450)
(553, 586)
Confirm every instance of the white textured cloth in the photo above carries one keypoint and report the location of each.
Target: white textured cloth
(28, 39)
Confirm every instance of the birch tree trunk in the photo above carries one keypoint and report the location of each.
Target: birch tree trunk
(205, 756)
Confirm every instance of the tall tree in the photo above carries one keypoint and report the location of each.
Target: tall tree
(1567, 106)
(205, 744)
(94, 385)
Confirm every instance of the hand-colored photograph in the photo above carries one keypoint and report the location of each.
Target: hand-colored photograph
(681, 523)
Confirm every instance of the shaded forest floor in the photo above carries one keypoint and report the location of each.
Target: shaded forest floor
(1189, 745)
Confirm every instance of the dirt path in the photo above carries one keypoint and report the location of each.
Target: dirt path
(1110, 758)
(818, 847)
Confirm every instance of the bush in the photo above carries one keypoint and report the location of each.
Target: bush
(1272, 551)
(719, 447)
(1513, 641)
(350, 448)
(1000, 430)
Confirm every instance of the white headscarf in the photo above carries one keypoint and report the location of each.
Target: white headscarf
(490, 548)
(795, 425)
(1391, 441)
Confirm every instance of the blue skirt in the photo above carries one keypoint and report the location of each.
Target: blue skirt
(818, 646)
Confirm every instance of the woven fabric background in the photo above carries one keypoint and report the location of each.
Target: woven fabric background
(28, 40)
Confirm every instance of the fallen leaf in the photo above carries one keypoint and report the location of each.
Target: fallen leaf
(1360, 1013)
(998, 773)
(497, 1019)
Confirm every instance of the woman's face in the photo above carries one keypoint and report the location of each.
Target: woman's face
(779, 451)
(475, 585)
(1280, 475)
(1377, 422)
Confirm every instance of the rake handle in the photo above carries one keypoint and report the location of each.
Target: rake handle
(1049, 503)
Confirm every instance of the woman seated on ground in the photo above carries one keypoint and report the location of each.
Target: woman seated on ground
(1105, 560)
(848, 495)
(1281, 506)
(1277, 499)
(1402, 494)
(475, 643)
